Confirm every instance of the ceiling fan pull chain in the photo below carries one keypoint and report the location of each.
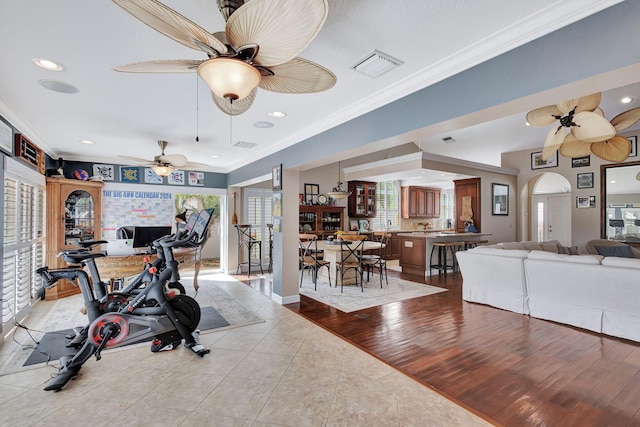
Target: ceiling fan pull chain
(197, 111)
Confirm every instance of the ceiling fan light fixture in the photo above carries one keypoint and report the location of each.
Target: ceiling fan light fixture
(229, 78)
(162, 170)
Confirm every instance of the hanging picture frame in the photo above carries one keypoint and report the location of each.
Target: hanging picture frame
(6, 138)
(634, 146)
(500, 198)
(276, 177)
(585, 180)
(538, 163)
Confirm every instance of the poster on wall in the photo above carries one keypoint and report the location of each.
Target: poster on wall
(122, 207)
(196, 178)
(150, 177)
(107, 172)
(176, 178)
(129, 174)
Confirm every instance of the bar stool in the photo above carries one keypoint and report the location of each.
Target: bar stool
(246, 239)
(442, 256)
(270, 227)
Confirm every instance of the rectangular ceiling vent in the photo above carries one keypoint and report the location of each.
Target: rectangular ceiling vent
(245, 144)
(376, 64)
(448, 140)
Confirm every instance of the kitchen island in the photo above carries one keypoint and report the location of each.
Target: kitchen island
(415, 248)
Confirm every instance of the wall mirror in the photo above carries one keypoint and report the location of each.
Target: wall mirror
(620, 207)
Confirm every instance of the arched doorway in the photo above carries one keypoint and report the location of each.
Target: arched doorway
(550, 201)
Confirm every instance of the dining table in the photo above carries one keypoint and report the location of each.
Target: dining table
(333, 253)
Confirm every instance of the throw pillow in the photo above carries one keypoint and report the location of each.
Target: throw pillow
(568, 250)
(619, 251)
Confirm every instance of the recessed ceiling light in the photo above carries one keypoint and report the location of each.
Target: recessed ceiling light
(47, 64)
(527, 124)
(278, 114)
(58, 86)
(613, 182)
(263, 125)
(86, 141)
(215, 156)
(626, 100)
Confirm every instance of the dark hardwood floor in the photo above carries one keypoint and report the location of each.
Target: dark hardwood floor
(511, 369)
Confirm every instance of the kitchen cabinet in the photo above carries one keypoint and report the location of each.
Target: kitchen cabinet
(362, 201)
(73, 215)
(420, 202)
(394, 247)
(321, 219)
(413, 255)
(467, 188)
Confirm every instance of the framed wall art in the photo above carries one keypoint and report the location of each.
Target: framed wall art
(500, 198)
(585, 202)
(276, 177)
(6, 138)
(579, 162)
(634, 146)
(311, 193)
(537, 162)
(585, 180)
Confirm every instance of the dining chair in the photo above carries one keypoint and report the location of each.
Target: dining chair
(311, 258)
(379, 259)
(247, 240)
(350, 249)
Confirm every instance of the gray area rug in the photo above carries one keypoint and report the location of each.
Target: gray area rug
(353, 299)
(65, 314)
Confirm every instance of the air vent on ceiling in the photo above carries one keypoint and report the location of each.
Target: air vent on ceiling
(376, 64)
(245, 144)
(448, 139)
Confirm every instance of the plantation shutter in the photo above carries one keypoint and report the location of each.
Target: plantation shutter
(258, 214)
(387, 205)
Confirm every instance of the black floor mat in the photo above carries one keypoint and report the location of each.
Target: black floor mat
(52, 345)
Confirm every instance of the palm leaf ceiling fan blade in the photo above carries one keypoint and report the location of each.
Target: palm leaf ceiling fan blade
(584, 103)
(161, 66)
(615, 149)
(625, 120)
(281, 28)
(591, 127)
(544, 116)
(572, 147)
(552, 142)
(236, 107)
(170, 23)
(298, 76)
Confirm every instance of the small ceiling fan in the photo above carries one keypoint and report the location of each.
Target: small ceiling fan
(589, 131)
(164, 164)
(259, 47)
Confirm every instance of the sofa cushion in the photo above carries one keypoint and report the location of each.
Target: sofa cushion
(578, 259)
(513, 245)
(617, 251)
(621, 262)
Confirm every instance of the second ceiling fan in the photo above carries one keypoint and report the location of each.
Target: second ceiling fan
(258, 48)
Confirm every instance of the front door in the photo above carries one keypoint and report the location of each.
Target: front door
(551, 219)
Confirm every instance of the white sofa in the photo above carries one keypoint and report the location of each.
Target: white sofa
(588, 291)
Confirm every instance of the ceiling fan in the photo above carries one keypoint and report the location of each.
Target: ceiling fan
(258, 48)
(164, 164)
(589, 131)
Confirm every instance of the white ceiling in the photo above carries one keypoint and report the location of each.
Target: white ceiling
(125, 114)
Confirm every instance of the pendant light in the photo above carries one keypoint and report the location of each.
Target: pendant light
(338, 192)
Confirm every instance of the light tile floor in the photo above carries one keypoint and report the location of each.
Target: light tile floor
(285, 371)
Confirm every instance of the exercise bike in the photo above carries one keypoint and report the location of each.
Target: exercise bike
(139, 313)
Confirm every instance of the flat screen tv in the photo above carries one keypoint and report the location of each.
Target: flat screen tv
(143, 237)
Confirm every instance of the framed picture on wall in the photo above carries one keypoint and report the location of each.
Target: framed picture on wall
(585, 202)
(634, 146)
(276, 177)
(500, 198)
(537, 162)
(311, 193)
(6, 138)
(578, 162)
(585, 180)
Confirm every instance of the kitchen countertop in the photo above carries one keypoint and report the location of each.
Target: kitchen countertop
(433, 234)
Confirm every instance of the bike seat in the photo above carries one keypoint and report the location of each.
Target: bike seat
(78, 257)
(89, 243)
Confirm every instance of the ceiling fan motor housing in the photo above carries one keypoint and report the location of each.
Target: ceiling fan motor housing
(227, 7)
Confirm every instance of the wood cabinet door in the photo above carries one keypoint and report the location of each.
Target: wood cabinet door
(421, 209)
